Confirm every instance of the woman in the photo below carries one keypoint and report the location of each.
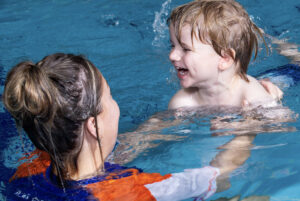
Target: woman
(64, 105)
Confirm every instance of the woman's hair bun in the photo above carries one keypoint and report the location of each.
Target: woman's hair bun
(28, 92)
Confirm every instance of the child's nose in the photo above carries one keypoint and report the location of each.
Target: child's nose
(175, 55)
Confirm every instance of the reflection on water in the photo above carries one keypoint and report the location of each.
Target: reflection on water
(179, 125)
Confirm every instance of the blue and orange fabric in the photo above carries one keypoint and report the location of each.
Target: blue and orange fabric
(35, 181)
(131, 188)
(37, 162)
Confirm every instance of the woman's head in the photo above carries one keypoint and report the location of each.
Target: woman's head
(52, 100)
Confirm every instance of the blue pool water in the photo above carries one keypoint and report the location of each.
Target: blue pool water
(128, 41)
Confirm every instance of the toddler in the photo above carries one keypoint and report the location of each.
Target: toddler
(212, 43)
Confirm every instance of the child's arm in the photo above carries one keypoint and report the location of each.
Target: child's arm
(183, 98)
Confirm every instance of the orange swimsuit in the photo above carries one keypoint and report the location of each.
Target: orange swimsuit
(34, 181)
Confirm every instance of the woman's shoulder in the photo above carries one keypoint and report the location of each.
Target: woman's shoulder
(44, 186)
(117, 182)
(126, 184)
(35, 187)
(34, 163)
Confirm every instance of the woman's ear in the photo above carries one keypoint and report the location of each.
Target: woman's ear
(227, 59)
(91, 126)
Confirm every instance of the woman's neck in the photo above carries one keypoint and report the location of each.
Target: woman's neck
(89, 162)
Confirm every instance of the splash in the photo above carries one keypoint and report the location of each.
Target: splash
(110, 20)
(160, 27)
(173, 80)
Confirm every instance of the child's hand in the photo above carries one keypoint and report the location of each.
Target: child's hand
(272, 89)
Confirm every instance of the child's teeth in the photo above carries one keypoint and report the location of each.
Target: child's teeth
(182, 71)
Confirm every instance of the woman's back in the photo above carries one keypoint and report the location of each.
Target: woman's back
(35, 181)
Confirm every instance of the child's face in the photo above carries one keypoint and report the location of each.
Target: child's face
(196, 63)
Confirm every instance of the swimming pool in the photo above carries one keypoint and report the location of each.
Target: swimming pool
(128, 41)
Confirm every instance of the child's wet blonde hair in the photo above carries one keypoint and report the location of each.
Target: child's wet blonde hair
(223, 24)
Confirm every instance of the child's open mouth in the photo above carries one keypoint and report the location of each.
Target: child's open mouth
(181, 72)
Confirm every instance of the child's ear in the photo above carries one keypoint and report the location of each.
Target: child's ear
(227, 59)
(91, 126)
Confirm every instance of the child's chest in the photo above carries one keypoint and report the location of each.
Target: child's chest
(231, 98)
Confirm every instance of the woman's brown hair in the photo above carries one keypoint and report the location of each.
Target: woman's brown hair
(50, 100)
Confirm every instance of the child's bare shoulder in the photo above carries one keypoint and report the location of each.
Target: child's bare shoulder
(183, 98)
(254, 92)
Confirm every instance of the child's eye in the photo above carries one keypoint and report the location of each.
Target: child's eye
(186, 49)
(171, 44)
